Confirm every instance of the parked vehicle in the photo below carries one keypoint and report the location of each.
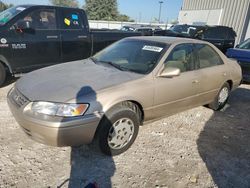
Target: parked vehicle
(108, 96)
(34, 36)
(145, 30)
(242, 54)
(221, 36)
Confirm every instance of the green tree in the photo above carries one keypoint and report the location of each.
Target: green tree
(4, 6)
(65, 3)
(101, 9)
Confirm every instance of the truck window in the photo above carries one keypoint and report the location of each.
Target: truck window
(71, 19)
(40, 19)
(214, 33)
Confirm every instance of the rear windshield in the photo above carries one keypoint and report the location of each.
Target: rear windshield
(10, 13)
(133, 55)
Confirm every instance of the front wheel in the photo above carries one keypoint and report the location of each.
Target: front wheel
(118, 130)
(221, 99)
(2, 74)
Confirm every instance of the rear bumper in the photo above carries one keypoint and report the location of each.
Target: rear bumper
(57, 131)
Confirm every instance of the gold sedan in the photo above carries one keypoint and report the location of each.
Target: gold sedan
(108, 96)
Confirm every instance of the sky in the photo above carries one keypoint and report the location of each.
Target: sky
(139, 10)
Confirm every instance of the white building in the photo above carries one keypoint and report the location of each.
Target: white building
(232, 13)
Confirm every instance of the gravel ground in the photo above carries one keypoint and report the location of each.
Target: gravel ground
(196, 148)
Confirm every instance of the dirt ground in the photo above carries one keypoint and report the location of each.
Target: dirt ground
(196, 148)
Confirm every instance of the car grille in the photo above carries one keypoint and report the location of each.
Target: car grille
(17, 98)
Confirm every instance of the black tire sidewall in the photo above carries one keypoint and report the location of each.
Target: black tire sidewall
(108, 122)
(216, 105)
(2, 74)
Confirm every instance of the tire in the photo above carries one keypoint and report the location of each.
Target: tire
(221, 99)
(2, 74)
(118, 129)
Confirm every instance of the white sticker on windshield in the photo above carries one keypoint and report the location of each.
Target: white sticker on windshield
(152, 48)
(20, 8)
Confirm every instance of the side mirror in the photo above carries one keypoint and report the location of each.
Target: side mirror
(170, 72)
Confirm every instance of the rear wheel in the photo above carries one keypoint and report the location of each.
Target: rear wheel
(2, 74)
(118, 129)
(221, 99)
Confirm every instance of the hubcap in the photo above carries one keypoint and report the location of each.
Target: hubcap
(223, 95)
(120, 133)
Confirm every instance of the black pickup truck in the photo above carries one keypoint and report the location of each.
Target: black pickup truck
(35, 36)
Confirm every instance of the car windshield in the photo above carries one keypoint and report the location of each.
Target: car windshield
(245, 44)
(132, 55)
(10, 13)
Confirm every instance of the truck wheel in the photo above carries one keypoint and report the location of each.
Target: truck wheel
(221, 99)
(2, 74)
(118, 129)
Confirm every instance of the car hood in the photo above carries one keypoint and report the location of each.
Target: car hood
(61, 83)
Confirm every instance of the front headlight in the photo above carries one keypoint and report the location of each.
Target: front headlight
(59, 109)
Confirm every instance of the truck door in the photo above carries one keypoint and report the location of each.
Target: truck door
(38, 43)
(75, 36)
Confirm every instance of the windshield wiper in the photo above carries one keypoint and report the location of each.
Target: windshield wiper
(119, 67)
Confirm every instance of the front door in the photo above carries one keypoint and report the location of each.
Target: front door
(39, 45)
(177, 93)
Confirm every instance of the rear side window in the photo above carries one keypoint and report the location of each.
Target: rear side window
(207, 56)
(181, 57)
(231, 34)
(71, 19)
(214, 33)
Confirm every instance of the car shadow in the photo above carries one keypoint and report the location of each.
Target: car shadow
(224, 143)
(9, 80)
(89, 167)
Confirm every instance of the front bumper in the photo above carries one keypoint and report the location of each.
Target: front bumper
(55, 131)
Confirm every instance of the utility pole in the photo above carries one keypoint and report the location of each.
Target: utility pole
(159, 19)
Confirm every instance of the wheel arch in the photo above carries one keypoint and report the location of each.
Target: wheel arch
(4, 61)
(130, 103)
(230, 82)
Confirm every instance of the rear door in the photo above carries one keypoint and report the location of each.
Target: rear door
(177, 93)
(75, 36)
(212, 73)
(38, 46)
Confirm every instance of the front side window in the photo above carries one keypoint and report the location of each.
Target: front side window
(207, 56)
(71, 19)
(132, 55)
(39, 20)
(181, 57)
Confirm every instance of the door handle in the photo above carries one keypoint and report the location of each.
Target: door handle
(195, 81)
(82, 36)
(52, 37)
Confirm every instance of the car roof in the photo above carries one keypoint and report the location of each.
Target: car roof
(48, 6)
(168, 40)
